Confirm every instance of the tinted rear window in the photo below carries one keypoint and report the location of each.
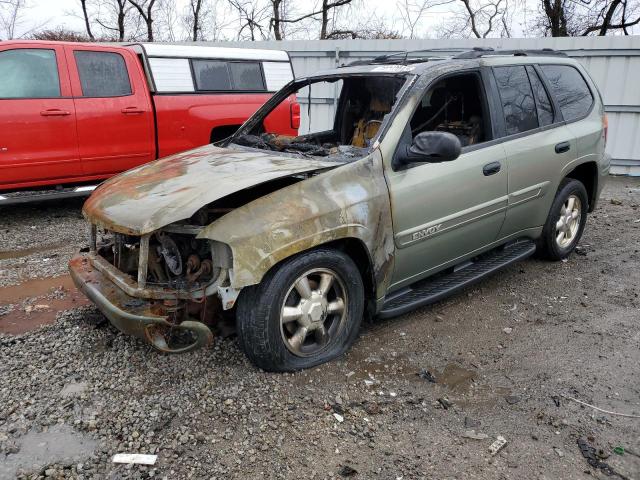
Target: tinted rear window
(29, 73)
(102, 74)
(517, 99)
(216, 75)
(570, 90)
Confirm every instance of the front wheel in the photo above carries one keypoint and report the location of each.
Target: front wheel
(566, 221)
(305, 312)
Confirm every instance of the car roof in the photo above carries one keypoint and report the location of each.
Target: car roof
(409, 63)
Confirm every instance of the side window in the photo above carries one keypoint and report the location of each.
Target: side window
(517, 99)
(246, 76)
(454, 104)
(570, 89)
(29, 73)
(217, 75)
(211, 75)
(543, 103)
(102, 74)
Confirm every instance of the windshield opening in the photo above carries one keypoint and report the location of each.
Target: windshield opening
(339, 116)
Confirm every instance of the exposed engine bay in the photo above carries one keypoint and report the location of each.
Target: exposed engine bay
(359, 111)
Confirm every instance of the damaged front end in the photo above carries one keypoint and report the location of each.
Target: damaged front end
(163, 287)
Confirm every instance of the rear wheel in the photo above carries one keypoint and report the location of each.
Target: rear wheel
(566, 221)
(305, 312)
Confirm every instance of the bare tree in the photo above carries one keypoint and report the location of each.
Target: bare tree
(562, 18)
(193, 18)
(87, 22)
(252, 18)
(146, 11)
(113, 16)
(11, 12)
(329, 7)
(476, 19)
(411, 13)
(60, 34)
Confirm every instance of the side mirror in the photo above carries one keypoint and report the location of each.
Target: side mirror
(430, 147)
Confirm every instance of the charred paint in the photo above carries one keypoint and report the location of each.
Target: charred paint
(149, 197)
(349, 202)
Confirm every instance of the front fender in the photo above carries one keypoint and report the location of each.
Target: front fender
(351, 201)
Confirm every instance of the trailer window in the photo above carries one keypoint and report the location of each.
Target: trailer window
(102, 74)
(29, 73)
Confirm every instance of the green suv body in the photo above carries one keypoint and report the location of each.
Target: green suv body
(429, 174)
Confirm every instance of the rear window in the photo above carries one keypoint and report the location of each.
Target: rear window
(29, 73)
(216, 75)
(570, 90)
(518, 104)
(102, 74)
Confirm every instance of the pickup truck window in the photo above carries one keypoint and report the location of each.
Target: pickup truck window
(29, 73)
(517, 99)
(102, 74)
(216, 75)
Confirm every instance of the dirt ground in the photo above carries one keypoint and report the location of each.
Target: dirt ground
(503, 356)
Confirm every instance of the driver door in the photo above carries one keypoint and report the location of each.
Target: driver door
(444, 212)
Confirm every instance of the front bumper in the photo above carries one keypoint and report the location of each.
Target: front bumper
(131, 315)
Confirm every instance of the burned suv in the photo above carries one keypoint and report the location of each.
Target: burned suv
(412, 177)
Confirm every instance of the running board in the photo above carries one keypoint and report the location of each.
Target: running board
(14, 198)
(442, 285)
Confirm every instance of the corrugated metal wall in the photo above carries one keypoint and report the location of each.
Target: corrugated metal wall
(613, 62)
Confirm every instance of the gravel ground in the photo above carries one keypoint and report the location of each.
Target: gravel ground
(501, 353)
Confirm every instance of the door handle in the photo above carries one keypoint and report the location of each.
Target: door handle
(132, 111)
(563, 147)
(54, 112)
(491, 168)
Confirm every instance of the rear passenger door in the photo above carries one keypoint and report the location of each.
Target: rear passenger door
(113, 108)
(38, 141)
(537, 144)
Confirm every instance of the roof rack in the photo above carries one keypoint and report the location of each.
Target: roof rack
(403, 58)
(479, 52)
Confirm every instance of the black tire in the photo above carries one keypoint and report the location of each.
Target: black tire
(258, 319)
(548, 246)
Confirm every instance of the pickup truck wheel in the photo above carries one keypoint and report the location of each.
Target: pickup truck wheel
(566, 221)
(305, 312)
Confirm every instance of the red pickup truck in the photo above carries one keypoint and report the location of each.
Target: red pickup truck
(74, 113)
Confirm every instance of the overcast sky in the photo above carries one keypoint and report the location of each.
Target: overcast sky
(49, 14)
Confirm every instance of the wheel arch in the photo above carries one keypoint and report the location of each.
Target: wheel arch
(587, 174)
(220, 132)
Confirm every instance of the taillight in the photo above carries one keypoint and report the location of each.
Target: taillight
(295, 115)
(605, 126)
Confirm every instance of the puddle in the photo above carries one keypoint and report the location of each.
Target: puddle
(456, 378)
(60, 444)
(12, 254)
(43, 311)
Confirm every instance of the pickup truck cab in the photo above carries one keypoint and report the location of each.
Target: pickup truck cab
(428, 175)
(77, 113)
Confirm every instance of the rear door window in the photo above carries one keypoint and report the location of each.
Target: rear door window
(29, 73)
(516, 94)
(102, 74)
(543, 102)
(570, 90)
